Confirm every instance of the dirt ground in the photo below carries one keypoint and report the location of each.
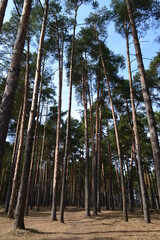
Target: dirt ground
(107, 225)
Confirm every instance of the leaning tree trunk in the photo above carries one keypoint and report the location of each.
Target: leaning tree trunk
(12, 79)
(20, 208)
(21, 136)
(84, 97)
(3, 6)
(123, 189)
(56, 161)
(137, 141)
(68, 125)
(146, 97)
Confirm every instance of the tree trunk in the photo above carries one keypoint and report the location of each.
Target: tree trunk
(117, 137)
(84, 97)
(4, 181)
(21, 136)
(104, 185)
(111, 202)
(130, 184)
(99, 172)
(12, 79)
(96, 146)
(14, 157)
(94, 162)
(80, 183)
(56, 161)
(137, 142)
(146, 97)
(20, 208)
(130, 181)
(1, 184)
(3, 6)
(32, 172)
(155, 191)
(40, 182)
(153, 203)
(74, 183)
(68, 125)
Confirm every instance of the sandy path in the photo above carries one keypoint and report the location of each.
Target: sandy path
(107, 225)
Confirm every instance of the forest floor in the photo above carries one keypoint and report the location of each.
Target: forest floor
(108, 225)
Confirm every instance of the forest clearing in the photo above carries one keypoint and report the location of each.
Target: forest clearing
(108, 225)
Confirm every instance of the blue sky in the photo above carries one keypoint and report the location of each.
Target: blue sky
(118, 45)
(114, 41)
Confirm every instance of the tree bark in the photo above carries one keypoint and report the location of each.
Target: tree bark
(4, 181)
(32, 172)
(14, 157)
(94, 162)
(84, 98)
(3, 6)
(123, 189)
(40, 183)
(96, 145)
(146, 97)
(137, 141)
(12, 79)
(20, 208)
(99, 169)
(153, 203)
(56, 161)
(68, 124)
(21, 136)
(111, 202)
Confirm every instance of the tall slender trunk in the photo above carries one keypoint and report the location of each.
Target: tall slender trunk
(32, 172)
(153, 203)
(146, 97)
(130, 181)
(12, 79)
(99, 165)
(123, 189)
(41, 162)
(3, 6)
(104, 186)
(111, 202)
(80, 183)
(94, 164)
(137, 142)
(14, 158)
(20, 208)
(155, 191)
(74, 183)
(68, 124)
(21, 136)
(56, 161)
(96, 145)
(84, 97)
